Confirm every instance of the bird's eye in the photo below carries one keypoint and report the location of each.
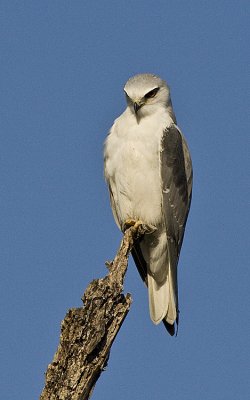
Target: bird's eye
(152, 93)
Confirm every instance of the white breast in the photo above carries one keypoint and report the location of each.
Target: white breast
(132, 166)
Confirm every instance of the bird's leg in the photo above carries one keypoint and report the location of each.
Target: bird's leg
(130, 222)
(135, 223)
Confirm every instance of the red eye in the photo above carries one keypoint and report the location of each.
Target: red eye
(152, 93)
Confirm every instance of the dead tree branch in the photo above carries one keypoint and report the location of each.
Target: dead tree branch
(87, 333)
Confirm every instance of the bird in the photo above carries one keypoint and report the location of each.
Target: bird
(148, 170)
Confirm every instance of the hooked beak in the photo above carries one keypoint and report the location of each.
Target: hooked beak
(137, 107)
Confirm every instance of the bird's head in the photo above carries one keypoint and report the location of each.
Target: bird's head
(145, 93)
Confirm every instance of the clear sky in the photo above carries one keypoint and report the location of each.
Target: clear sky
(63, 67)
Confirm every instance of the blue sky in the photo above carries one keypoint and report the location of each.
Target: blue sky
(63, 67)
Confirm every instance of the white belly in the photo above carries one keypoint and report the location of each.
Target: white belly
(132, 169)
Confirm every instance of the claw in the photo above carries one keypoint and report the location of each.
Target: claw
(128, 223)
(136, 223)
(149, 228)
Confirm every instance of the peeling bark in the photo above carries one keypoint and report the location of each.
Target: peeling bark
(87, 333)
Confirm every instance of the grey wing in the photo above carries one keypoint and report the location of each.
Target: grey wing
(176, 175)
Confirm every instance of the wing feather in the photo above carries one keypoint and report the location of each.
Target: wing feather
(176, 175)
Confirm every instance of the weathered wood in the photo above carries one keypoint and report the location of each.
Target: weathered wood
(87, 333)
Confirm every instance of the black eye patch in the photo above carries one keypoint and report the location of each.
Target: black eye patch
(152, 93)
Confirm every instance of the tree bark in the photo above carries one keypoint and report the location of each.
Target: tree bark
(87, 333)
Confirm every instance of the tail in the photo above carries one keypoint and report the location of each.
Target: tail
(163, 301)
(160, 275)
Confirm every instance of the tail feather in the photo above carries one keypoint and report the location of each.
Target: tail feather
(158, 299)
(171, 312)
(157, 264)
(162, 300)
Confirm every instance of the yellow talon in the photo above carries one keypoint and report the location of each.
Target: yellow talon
(137, 223)
(131, 222)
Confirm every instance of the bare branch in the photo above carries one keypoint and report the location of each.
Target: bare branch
(87, 333)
